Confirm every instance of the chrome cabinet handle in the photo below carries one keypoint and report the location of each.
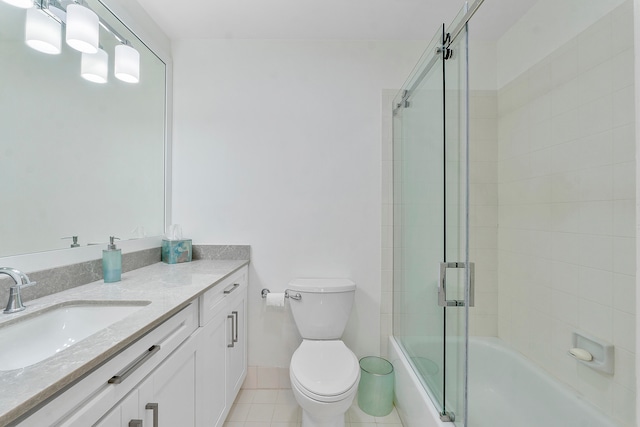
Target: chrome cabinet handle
(154, 408)
(135, 423)
(233, 331)
(130, 368)
(442, 285)
(231, 288)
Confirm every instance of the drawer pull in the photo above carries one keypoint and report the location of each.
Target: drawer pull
(129, 369)
(232, 288)
(135, 423)
(154, 408)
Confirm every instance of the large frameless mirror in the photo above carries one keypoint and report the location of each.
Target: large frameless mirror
(77, 158)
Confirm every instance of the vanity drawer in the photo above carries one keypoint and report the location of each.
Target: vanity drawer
(85, 401)
(211, 301)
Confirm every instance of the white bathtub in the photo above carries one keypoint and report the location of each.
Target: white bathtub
(505, 390)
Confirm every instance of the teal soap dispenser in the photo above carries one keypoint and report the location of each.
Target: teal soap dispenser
(111, 262)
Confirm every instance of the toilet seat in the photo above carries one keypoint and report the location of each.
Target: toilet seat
(325, 371)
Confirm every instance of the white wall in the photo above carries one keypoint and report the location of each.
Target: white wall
(277, 145)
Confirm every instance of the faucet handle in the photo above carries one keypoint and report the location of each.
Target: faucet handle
(26, 285)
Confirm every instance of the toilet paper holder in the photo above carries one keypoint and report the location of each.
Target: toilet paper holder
(287, 294)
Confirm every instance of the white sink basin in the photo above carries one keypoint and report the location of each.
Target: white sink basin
(36, 337)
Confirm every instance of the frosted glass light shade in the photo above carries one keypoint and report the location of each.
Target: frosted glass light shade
(127, 64)
(24, 4)
(95, 66)
(83, 29)
(42, 32)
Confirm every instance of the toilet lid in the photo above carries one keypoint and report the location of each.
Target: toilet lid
(324, 368)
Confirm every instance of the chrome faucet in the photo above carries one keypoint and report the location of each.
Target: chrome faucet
(22, 281)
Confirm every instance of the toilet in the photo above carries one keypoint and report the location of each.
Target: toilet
(324, 372)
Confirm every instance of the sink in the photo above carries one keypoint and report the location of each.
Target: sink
(42, 334)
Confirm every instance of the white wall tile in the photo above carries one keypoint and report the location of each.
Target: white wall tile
(571, 244)
(595, 83)
(624, 218)
(597, 183)
(596, 217)
(624, 293)
(596, 285)
(624, 147)
(597, 116)
(624, 334)
(593, 42)
(596, 319)
(625, 369)
(623, 106)
(622, 68)
(565, 97)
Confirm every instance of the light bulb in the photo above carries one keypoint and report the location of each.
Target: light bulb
(83, 29)
(95, 66)
(42, 32)
(127, 64)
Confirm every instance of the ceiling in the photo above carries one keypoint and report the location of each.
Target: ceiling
(325, 19)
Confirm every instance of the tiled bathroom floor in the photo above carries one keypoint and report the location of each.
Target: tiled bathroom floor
(278, 408)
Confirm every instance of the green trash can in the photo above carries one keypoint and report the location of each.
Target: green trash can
(375, 391)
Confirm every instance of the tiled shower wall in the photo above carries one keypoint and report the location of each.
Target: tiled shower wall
(483, 210)
(566, 212)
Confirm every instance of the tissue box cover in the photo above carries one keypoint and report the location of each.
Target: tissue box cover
(176, 251)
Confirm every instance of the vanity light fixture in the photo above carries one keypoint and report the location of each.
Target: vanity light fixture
(83, 28)
(127, 63)
(23, 4)
(42, 32)
(95, 66)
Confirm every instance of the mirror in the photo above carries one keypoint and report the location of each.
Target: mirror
(77, 158)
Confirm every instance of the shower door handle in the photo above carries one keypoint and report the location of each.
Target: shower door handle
(442, 284)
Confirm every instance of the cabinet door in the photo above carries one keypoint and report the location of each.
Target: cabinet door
(237, 355)
(123, 413)
(211, 404)
(169, 393)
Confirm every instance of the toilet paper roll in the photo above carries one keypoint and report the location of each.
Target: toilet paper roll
(275, 299)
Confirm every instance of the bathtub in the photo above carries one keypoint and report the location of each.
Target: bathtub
(505, 390)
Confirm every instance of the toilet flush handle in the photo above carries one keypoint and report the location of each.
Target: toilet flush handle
(296, 296)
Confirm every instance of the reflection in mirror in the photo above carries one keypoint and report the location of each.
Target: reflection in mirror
(77, 158)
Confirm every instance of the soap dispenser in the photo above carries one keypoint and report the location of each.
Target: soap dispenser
(111, 262)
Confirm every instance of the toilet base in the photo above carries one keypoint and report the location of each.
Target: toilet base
(309, 421)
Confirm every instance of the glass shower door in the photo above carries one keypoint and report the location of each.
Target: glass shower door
(419, 222)
(430, 223)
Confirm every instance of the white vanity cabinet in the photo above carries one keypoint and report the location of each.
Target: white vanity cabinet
(186, 372)
(222, 363)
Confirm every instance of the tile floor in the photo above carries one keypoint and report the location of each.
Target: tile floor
(278, 408)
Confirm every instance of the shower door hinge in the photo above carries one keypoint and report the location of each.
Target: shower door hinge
(404, 102)
(442, 285)
(445, 50)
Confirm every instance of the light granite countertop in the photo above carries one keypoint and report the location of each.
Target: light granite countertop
(168, 288)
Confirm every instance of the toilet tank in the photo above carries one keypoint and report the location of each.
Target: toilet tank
(324, 308)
